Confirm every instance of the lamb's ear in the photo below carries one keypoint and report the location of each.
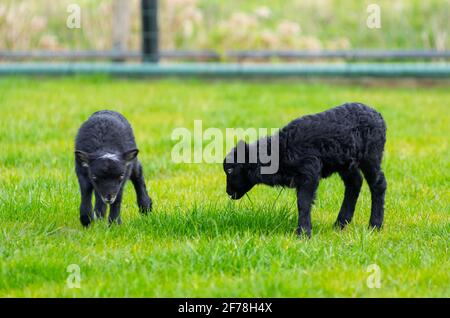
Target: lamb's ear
(130, 154)
(82, 157)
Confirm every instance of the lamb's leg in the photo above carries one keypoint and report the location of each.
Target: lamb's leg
(137, 178)
(86, 215)
(114, 210)
(377, 184)
(305, 199)
(353, 182)
(100, 206)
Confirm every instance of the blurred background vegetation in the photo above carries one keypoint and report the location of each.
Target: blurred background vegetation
(231, 25)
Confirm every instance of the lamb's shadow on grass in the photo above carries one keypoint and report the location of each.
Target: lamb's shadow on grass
(213, 221)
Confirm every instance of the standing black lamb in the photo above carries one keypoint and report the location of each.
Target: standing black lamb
(345, 139)
(105, 158)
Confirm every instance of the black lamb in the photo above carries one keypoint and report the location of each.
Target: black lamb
(345, 139)
(105, 158)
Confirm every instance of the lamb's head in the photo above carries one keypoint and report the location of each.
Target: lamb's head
(107, 171)
(238, 167)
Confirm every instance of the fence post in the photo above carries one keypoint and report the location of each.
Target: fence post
(120, 27)
(149, 10)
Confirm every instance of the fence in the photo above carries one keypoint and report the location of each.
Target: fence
(150, 54)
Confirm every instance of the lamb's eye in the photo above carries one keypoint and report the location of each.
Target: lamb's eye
(230, 170)
(121, 177)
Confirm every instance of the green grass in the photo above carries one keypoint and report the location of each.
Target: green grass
(197, 242)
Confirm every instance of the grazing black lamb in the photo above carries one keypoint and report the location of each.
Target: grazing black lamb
(105, 158)
(345, 139)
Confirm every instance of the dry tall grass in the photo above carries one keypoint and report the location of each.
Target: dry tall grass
(232, 24)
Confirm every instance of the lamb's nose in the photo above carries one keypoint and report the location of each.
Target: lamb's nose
(109, 198)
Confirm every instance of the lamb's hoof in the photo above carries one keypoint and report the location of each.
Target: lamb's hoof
(302, 232)
(99, 215)
(145, 207)
(85, 220)
(375, 227)
(145, 211)
(340, 225)
(117, 221)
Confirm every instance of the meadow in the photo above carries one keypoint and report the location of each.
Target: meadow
(197, 242)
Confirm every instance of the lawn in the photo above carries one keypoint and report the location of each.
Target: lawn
(197, 242)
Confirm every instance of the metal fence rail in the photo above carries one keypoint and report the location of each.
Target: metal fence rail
(347, 54)
(229, 55)
(103, 55)
(396, 70)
